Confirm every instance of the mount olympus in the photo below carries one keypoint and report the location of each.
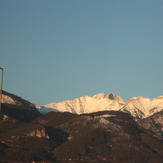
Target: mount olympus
(138, 107)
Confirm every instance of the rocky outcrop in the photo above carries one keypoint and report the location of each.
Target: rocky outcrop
(39, 133)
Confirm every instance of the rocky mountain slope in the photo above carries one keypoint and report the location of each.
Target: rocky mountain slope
(144, 110)
(154, 124)
(109, 136)
(18, 108)
(105, 136)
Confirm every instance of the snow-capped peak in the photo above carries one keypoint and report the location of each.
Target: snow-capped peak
(139, 107)
(142, 107)
(109, 96)
(99, 96)
(86, 104)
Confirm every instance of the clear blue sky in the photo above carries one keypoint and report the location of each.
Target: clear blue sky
(54, 50)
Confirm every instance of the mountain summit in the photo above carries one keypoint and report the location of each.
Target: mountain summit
(86, 104)
(142, 107)
(138, 107)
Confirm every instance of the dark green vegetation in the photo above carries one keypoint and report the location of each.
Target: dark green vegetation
(108, 136)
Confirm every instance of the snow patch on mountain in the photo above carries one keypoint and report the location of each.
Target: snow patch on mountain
(8, 100)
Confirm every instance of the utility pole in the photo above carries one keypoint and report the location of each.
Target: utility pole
(1, 88)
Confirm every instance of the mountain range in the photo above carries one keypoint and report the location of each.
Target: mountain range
(102, 128)
(139, 107)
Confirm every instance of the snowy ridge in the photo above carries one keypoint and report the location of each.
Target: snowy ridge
(139, 107)
(17, 102)
(86, 104)
(142, 107)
